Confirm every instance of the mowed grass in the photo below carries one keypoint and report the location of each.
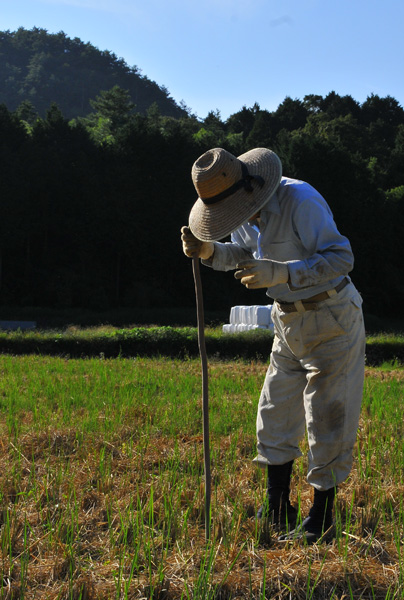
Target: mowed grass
(102, 487)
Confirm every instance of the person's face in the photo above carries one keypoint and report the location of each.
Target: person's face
(255, 217)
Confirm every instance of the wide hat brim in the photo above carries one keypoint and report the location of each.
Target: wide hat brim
(213, 222)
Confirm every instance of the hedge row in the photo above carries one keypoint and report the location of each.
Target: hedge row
(141, 341)
(168, 341)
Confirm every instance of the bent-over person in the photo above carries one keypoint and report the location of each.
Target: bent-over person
(284, 239)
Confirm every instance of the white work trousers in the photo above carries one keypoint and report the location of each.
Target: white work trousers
(314, 381)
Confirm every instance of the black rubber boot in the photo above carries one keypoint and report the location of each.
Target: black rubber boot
(317, 526)
(277, 507)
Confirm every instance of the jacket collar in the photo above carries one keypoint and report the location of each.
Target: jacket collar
(273, 204)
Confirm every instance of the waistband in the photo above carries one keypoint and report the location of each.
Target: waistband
(311, 303)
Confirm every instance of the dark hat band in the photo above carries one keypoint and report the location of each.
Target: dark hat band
(244, 182)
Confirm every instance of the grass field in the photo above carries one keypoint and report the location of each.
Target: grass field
(102, 488)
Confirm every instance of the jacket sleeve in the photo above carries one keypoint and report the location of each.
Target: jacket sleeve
(227, 255)
(329, 253)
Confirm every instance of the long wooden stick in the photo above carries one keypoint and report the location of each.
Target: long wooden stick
(205, 392)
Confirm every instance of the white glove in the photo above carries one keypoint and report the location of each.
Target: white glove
(262, 273)
(194, 248)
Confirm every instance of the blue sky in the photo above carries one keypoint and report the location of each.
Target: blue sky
(224, 54)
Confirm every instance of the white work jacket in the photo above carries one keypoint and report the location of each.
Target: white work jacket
(296, 226)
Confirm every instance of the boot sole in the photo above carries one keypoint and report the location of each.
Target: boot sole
(307, 537)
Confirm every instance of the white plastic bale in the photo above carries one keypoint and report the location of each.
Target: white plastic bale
(244, 318)
(232, 328)
(262, 315)
(235, 314)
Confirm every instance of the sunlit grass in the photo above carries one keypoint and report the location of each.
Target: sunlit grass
(102, 489)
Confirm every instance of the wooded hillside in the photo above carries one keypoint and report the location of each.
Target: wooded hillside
(42, 68)
(92, 206)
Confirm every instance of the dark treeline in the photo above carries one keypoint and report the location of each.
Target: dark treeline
(91, 207)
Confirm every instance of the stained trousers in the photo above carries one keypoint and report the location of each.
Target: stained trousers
(314, 383)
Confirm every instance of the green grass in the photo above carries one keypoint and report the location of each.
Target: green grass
(102, 489)
(101, 394)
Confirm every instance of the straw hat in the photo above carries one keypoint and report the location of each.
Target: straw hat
(231, 190)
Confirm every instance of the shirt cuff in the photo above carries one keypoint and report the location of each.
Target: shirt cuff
(299, 277)
(221, 260)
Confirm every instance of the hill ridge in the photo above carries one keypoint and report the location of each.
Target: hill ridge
(45, 68)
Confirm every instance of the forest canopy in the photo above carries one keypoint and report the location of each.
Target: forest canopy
(94, 193)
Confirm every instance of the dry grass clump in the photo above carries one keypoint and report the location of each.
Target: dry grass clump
(97, 515)
(102, 520)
